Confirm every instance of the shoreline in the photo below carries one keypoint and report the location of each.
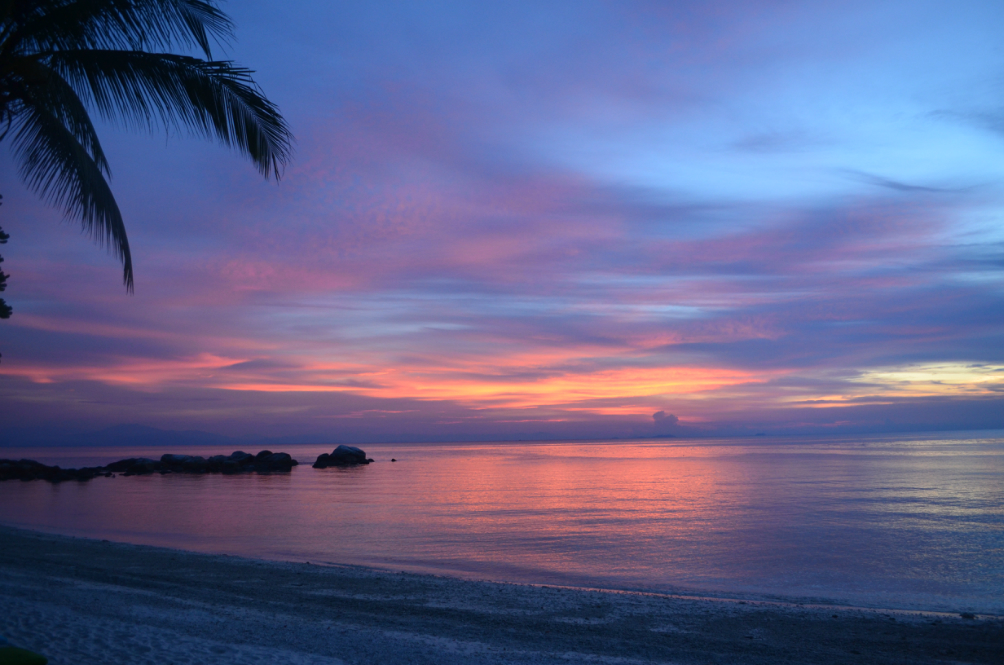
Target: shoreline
(75, 598)
(758, 598)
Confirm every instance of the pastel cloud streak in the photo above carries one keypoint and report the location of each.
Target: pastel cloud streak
(550, 221)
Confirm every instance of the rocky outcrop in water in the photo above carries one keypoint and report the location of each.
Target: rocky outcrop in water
(342, 456)
(26, 469)
(238, 462)
(134, 465)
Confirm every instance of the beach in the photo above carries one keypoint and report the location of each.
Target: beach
(84, 600)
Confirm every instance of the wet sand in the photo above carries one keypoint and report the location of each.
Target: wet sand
(87, 601)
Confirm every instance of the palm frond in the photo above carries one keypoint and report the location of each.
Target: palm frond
(50, 25)
(58, 57)
(215, 98)
(57, 167)
(32, 82)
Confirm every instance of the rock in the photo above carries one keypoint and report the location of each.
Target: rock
(237, 462)
(122, 465)
(186, 463)
(87, 472)
(197, 463)
(349, 454)
(215, 463)
(277, 462)
(194, 463)
(342, 456)
(134, 465)
(26, 469)
(145, 465)
(241, 458)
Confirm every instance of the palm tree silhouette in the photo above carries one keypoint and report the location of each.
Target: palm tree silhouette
(60, 57)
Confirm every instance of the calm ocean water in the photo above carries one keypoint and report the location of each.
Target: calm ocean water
(895, 522)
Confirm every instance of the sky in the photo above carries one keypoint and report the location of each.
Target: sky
(537, 220)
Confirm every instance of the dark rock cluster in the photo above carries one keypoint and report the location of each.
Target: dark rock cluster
(238, 462)
(342, 456)
(26, 469)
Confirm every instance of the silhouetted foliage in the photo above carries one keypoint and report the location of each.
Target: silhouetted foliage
(5, 309)
(60, 57)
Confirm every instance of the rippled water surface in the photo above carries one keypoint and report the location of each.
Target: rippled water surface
(881, 521)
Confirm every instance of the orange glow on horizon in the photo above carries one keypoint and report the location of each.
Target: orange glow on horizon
(564, 390)
(547, 380)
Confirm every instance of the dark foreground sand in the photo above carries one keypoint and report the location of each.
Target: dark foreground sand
(87, 601)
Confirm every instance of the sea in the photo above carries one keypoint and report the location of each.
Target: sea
(899, 522)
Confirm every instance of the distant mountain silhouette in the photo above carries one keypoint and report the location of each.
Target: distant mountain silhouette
(141, 435)
(117, 435)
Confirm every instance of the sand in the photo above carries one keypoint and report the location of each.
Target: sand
(88, 601)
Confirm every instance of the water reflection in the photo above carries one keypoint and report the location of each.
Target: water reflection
(884, 521)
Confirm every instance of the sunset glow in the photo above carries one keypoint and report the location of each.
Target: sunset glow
(751, 218)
